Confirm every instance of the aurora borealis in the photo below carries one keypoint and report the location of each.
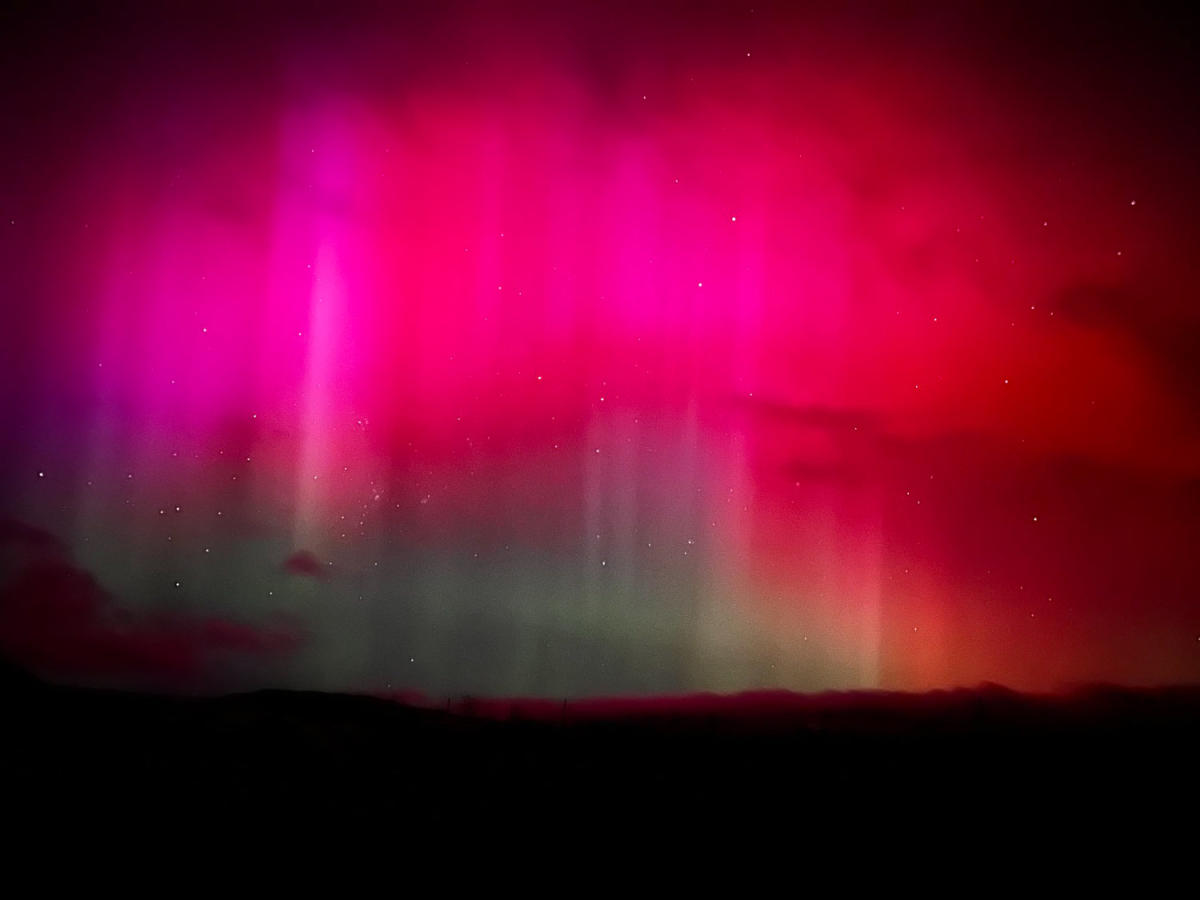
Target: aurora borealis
(588, 349)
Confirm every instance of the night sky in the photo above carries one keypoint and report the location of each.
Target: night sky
(599, 349)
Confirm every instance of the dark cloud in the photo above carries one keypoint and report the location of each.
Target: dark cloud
(304, 562)
(59, 621)
(20, 533)
(833, 419)
(1057, 537)
(1169, 339)
(843, 473)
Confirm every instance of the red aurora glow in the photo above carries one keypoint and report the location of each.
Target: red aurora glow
(763, 350)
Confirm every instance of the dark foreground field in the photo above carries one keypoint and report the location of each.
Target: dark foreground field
(883, 762)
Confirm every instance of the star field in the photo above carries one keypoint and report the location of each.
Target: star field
(562, 352)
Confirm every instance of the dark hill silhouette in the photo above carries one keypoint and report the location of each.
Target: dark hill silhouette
(987, 756)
